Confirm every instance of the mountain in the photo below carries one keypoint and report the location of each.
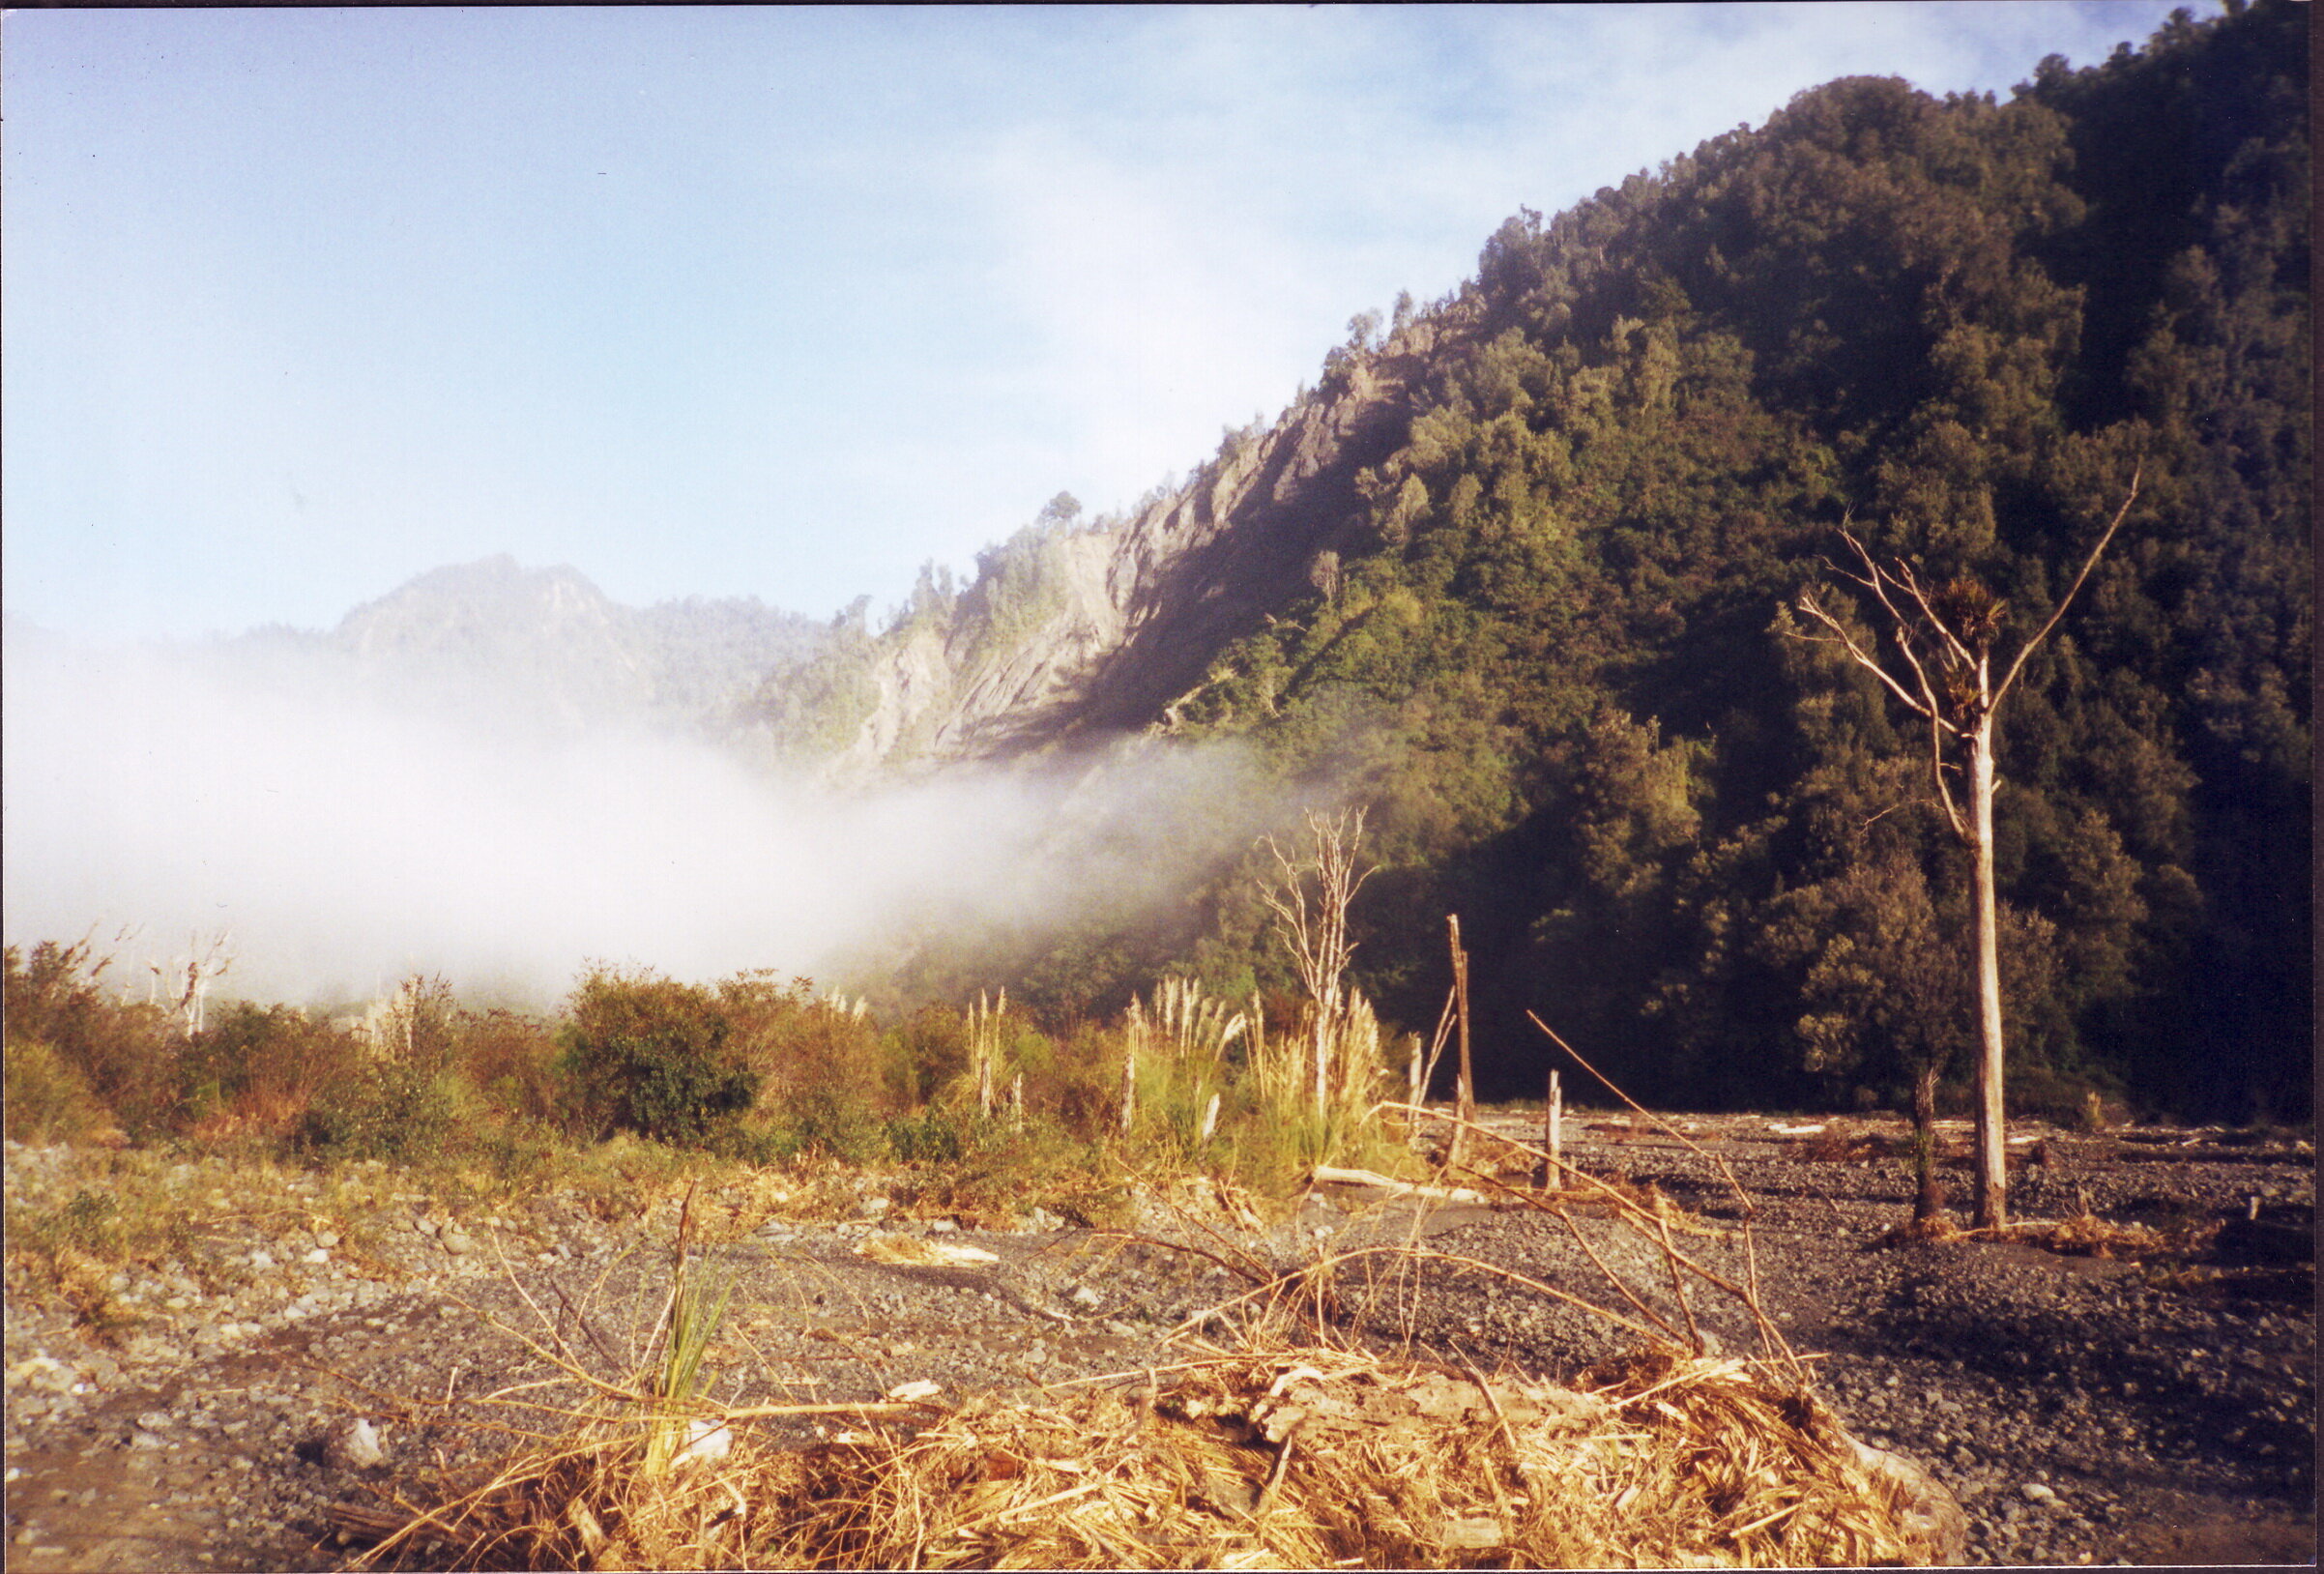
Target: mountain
(1074, 631)
(1519, 576)
(546, 651)
(1516, 575)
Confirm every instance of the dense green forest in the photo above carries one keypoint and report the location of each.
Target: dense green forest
(1550, 646)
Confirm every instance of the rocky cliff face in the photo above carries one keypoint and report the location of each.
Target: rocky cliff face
(1074, 633)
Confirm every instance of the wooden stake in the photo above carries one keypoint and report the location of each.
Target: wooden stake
(1465, 1101)
(1553, 1138)
(981, 1032)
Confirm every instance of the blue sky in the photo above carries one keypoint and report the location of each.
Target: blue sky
(780, 302)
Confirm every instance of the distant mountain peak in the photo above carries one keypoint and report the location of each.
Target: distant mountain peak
(497, 586)
(544, 647)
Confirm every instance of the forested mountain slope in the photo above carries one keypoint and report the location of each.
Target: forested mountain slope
(1516, 575)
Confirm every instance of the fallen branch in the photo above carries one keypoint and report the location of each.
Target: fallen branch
(1326, 1175)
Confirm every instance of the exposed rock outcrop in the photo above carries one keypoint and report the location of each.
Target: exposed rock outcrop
(1074, 633)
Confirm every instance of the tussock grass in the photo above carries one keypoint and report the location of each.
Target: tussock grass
(44, 1098)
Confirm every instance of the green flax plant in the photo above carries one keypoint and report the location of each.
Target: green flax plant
(690, 1321)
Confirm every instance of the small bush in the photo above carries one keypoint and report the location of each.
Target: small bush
(88, 1223)
(1000, 1168)
(521, 1155)
(44, 1100)
(649, 1055)
(1078, 1082)
(929, 1136)
(75, 1248)
(394, 1110)
(926, 1051)
(122, 1055)
(826, 1073)
(257, 1070)
(511, 1060)
(756, 1143)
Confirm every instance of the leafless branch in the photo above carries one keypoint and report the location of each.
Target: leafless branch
(1901, 572)
(2066, 600)
(1862, 657)
(1944, 788)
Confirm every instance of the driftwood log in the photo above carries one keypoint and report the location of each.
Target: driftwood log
(1372, 1180)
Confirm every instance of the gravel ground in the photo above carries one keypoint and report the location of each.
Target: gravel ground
(2082, 1410)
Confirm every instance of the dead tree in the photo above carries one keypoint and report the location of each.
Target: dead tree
(1315, 926)
(1945, 638)
(204, 967)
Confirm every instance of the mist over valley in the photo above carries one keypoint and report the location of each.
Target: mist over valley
(345, 822)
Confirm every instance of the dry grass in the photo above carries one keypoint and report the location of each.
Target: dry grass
(1298, 1457)
(1842, 1147)
(1322, 1458)
(1276, 1446)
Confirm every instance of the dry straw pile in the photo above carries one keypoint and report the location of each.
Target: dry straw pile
(1296, 1458)
(1316, 1458)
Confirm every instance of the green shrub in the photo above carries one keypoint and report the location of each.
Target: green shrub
(122, 1054)
(928, 1136)
(46, 1099)
(828, 1078)
(649, 1055)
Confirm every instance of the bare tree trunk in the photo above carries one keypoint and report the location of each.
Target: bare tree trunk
(1465, 1102)
(1553, 1140)
(1327, 1016)
(1992, 1149)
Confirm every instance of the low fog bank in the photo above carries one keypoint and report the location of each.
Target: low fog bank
(339, 842)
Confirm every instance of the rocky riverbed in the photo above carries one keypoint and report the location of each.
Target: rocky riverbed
(309, 1344)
